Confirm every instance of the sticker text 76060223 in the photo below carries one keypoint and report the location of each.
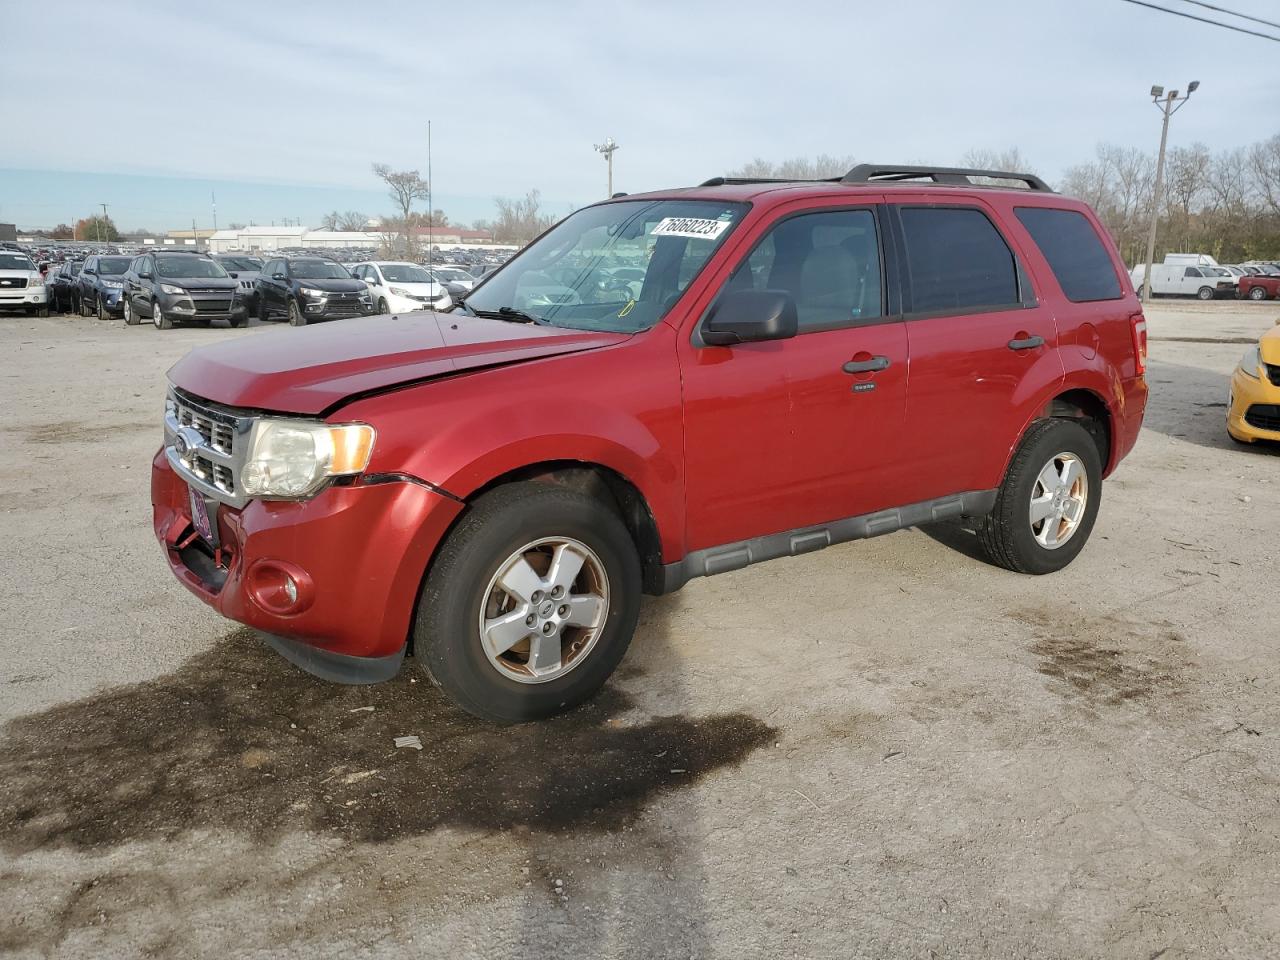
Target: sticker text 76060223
(695, 227)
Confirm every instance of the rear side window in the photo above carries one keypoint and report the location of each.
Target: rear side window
(1075, 253)
(957, 261)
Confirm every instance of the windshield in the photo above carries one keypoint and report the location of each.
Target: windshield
(1216, 272)
(111, 266)
(241, 263)
(188, 267)
(616, 266)
(1270, 271)
(15, 261)
(404, 273)
(319, 270)
(449, 273)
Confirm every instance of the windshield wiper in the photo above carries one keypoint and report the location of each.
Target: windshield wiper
(505, 313)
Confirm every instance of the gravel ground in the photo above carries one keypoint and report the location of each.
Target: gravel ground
(887, 748)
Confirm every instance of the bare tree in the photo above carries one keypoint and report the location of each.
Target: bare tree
(1006, 161)
(821, 167)
(1264, 164)
(405, 187)
(519, 221)
(330, 220)
(352, 220)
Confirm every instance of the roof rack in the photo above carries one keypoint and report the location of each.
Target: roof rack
(721, 181)
(947, 176)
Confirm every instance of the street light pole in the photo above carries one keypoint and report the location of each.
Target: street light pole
(103, 221)
(1168, 108)
(607, 149)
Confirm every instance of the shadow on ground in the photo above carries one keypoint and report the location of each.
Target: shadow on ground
(240, 740)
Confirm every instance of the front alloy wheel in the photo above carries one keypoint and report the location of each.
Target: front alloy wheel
(530, 603)
(544, 609)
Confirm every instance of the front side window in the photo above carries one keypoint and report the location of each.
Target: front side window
(319, 270)
(1075, 253)
(957, 261)
(828, 262)
(194, 267)
(1192, 272)
(615, 266)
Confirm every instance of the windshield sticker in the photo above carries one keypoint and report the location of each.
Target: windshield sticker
(694, 227)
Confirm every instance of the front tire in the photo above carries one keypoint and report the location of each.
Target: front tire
(296, 318)
(1204, 293)
(158, 318)
(1047, 505)
(382, 306)
(530, 604)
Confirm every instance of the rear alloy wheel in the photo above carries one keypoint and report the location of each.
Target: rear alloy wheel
(1047, 505)
(1257, 293)
(130, 318)
(1204, 293)
(158, 318)
(102, 310)
(530, 604)
(83, 309)
(382, 306)
(295, 315)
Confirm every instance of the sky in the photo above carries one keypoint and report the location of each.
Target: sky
(281, 108)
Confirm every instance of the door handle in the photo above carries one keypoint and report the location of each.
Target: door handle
(866, 366)
(1030, 343)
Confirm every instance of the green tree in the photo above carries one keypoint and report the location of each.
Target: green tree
(96, 228)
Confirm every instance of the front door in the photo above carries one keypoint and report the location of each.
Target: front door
(792, 433)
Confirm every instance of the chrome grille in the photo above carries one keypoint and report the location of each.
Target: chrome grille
(212, 462)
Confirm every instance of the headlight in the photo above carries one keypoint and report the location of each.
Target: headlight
(1251, 362)
(170, 288)
(401, 293)
(291, 459)
(113, 284)
(312, 292)
(36, 281)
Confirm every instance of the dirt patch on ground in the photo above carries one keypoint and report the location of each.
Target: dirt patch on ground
(1107, 660)
(238, 739)
(77, 431)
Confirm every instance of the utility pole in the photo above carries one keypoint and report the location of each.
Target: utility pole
(195, 241)
(607, 149)
(103, 221)
(431, 210)
(213, 198)
(1168, 108)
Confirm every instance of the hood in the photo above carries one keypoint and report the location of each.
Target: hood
(1269, 345)
(333, 286)
(28, 274)
(308, 370)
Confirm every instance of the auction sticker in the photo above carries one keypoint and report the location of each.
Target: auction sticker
(694, 227)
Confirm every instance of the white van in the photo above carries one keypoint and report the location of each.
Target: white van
(1185, 280)
(1194, 259)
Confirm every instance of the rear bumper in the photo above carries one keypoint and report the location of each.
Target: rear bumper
(1127, 422)
(356, 554)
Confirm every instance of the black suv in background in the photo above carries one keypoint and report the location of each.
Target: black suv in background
(100, 286)
(172, 287)
(62, 283)
(306, 289)
(244, 270)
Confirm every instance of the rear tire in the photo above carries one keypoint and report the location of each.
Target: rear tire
(296, 318)
(82, 308)
(263, 316)
(1204, 293)
(130, 318)
(382, 306)
(1010, 537)
(462, 591)
(102, 311)
(1257, 293)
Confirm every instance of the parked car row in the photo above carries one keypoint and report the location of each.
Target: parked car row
(1199, 275)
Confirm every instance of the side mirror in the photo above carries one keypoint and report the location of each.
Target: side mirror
(748, 316)
(233, 276)
(278, 276)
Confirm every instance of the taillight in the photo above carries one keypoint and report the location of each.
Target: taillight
(1138, 323)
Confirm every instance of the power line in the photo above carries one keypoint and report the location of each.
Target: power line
(1232, 13)
(1215, 23)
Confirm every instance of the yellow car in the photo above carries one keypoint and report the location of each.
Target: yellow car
(1254, 411)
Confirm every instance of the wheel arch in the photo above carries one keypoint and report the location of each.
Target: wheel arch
(1080, 403)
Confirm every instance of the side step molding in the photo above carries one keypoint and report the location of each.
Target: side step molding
(790, 543)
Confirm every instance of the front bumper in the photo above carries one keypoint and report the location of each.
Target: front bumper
(202, 306)
(356, 553)
(112, 301)
(326, 308)
(409, 304)
(24, 297)
(1251, 425)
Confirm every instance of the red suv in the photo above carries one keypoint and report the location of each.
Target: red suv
(660, 387)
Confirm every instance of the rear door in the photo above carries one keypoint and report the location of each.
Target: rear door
(983, 348)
